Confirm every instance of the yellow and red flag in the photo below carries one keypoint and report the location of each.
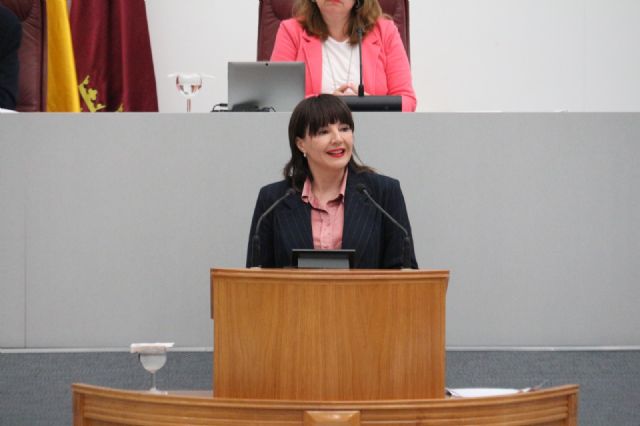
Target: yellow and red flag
(62, 86)
(113, 55)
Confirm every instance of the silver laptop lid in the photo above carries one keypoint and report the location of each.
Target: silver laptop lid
(265, 85)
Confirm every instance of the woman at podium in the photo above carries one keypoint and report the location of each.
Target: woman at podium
(324, 35)
(329, 199)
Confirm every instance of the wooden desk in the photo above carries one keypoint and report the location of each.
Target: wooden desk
(96, 406)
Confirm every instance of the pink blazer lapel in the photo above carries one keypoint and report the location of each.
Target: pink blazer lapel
(312, 51)
(371, 46)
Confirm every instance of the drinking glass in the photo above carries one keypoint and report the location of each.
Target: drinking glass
(152, 362)
(188, 84)
(152, 356)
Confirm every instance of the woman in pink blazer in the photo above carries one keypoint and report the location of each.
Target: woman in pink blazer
(324, 36)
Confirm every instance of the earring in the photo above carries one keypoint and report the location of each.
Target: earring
(304, 154)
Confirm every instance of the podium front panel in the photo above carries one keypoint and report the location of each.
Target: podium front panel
(329, 335)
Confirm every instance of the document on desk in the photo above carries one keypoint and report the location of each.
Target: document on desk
(480, 392)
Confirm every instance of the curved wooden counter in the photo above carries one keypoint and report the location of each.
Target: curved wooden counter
(96, 406)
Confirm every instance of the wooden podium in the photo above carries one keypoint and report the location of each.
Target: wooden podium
(328, 335)
(317, 348)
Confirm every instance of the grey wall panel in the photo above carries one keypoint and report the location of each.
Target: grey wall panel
(138, 208)
(536, 215)
(12, 242)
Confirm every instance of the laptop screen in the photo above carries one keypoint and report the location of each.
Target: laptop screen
(266, 86)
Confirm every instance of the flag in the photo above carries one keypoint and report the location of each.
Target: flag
(62, 86)
(113, 55)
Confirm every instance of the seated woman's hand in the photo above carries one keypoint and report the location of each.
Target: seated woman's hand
(347, 89)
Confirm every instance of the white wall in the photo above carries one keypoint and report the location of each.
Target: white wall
(200, 36)
(467, 55)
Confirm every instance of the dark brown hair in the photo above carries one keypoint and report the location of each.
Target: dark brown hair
(308, 117)
(364, 15)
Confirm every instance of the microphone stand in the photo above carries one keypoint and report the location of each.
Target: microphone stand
(361, 86)
(406, 246)
(256, 256)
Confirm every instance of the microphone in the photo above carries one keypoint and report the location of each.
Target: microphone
(361, 86)
(406, 247)
(255, 241)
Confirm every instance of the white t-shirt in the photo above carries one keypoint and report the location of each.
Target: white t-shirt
(340, 65)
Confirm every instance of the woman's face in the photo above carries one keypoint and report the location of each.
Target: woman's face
(332, 9)
(329, 150)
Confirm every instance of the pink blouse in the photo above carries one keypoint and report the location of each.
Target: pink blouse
(327, 221)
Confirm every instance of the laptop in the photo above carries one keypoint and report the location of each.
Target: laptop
(322, 259)
(265, 86)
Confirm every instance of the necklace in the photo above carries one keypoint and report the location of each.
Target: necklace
(331, 68)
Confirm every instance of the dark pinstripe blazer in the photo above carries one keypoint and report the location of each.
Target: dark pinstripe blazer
(377, 242)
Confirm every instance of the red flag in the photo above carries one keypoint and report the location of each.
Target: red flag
(113, 55)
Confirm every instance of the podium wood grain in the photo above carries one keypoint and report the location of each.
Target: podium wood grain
(95, 406)
(329, 335)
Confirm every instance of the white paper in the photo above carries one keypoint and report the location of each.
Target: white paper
(480, 392)
(150, 348)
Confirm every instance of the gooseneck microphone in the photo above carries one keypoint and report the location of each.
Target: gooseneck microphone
(255, 241)
(361, 86)
(406, 247)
